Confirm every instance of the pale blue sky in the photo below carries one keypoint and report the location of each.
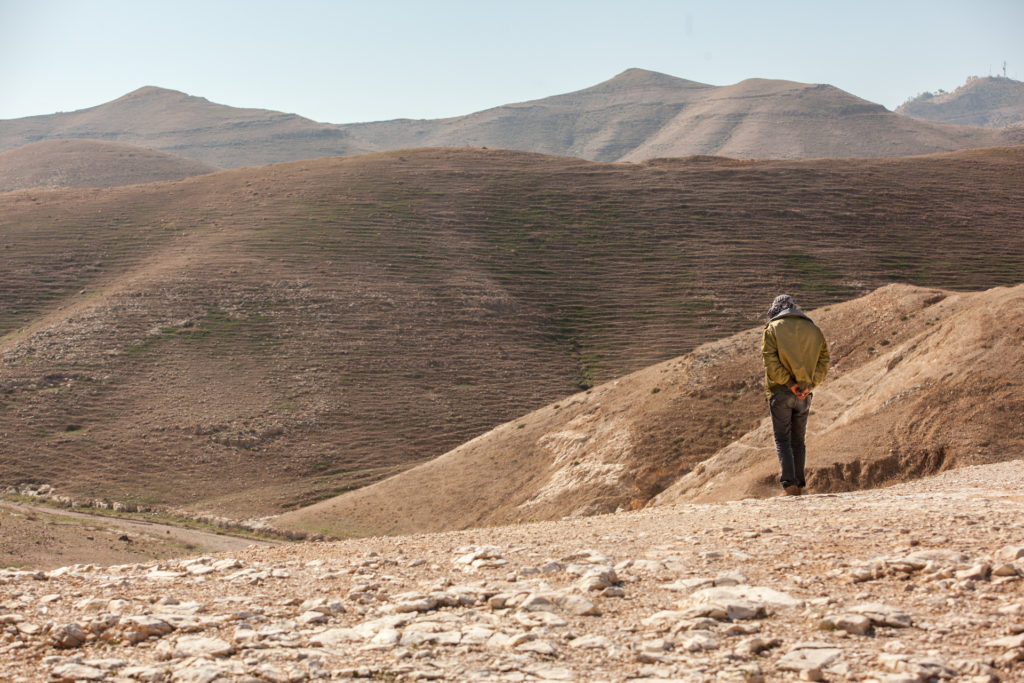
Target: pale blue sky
(347, 61)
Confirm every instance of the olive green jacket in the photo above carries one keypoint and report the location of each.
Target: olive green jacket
(794, 352)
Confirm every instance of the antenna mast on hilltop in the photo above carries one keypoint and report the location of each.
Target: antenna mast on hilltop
(1004, 68)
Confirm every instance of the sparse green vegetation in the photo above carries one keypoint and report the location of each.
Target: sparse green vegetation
(812, 274)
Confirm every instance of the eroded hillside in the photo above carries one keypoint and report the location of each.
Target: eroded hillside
(922, 380)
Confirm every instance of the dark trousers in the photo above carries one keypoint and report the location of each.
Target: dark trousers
(789, 422)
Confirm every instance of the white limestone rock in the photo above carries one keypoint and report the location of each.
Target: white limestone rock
(591, 642)
(72, 672)
(536, 602)
(311, 617)
(977, 572)
(940, 555)
(755, 645)
(337, 636)
(698, 641)
(540, 646)
(690, 585)
(1007, 642)
(664, 620)
(577, 605)
(1010, 553)
(884, 615)
(202, 646)
(67, 636)
(856, 624)
(140, 628)
(769, 597)
(808, 657)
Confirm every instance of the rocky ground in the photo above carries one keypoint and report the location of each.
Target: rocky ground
(919, 582)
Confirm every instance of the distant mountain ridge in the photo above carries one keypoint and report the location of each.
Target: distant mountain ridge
(191, 127)
(634, 116)
(992, 102)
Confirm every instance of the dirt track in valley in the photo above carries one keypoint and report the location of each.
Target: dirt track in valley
(46, 537)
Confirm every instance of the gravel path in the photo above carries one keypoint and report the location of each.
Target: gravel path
(918, 582)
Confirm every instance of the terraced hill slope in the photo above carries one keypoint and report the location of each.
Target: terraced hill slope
(91, 163)
(253, 340)
(992, 102)
(922, 381)
(634, 116)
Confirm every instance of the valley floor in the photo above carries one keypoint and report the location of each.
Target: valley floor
(45, 538)
(921, 581)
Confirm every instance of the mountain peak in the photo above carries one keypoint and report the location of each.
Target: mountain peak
(640, 78)
(150, 91)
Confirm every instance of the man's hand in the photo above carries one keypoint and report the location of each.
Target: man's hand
(801, 394)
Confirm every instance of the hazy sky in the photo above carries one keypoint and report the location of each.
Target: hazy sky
(348, 60)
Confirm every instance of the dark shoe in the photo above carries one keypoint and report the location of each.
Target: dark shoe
(792, 490)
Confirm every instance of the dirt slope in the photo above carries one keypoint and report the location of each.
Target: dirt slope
(634, 116)
(992, 102)
(275, 336)
(943, 388)
(91, 163)
(923, 380)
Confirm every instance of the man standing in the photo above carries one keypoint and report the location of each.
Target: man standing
(795, 359)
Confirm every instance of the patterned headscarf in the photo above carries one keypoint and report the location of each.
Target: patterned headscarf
(781, 303)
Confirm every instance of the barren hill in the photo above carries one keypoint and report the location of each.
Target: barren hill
(188, 126)
(642, 115)
(91, 163)
(760, 118)
(634, 116)
(992, 102)
(605, 122)
(922, 381)
(273, 336)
